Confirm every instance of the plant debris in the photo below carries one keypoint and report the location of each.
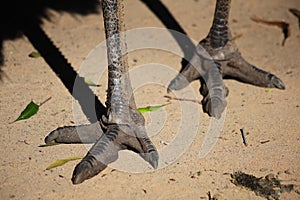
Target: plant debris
(268, 90)
(52, 143)
(264, 141)
(62, 162)
(268, 187)
(182, 99)
(236, 37)
(90, 82)
(34, 54)
(210, 197)
(195, 175)
(243, 136)
(296, 13)
(285, 27)
(30, 110)
(151, 108)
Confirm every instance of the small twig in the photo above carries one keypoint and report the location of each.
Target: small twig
(243, 136)
(45, 101)
(268, 103)
(209, 196)
(182, 99)
(265, 141)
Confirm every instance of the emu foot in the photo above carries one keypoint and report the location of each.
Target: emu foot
(130, 136)
(235, 66)
(105, 151)
(231, 64)
(204, 68)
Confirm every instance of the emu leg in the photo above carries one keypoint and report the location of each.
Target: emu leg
(220, 46)
(123, 124)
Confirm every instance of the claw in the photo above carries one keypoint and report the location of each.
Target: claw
(105, 151)
(75, 134)
(178, 83)
(276, 82)
(86, 169)
(153, 159)
(52, 137)
(217, 107)
(214, 107)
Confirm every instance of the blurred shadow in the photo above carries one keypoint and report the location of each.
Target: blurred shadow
(63, 69)
(24, 18)
(20, 18)
(17, 15)
(163, 14)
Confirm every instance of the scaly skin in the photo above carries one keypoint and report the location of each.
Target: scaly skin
(123, 126)
(220, 46)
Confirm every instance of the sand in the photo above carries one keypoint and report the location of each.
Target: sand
(270, 118)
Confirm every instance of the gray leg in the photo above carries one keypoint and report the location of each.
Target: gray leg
(220, 46)
(123, 124)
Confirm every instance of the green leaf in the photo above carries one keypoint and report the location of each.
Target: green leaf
(151, 108)
(90, 83)
(34, 54)
(30, 110)
(269, 90)
(62, 162)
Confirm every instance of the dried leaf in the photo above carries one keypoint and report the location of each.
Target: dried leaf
(296, 13)
(285, 27)
(237, 37)
(62, 162)
(52, 143)
(151, 108)
(34, 54)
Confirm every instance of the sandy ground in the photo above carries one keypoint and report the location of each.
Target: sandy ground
(270, 119)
